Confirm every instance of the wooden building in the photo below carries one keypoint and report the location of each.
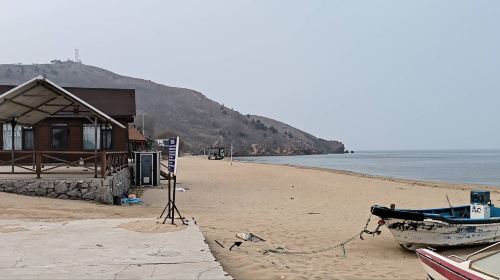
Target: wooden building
(137, 141)
(65, 125)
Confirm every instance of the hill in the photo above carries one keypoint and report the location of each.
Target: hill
(199, 121)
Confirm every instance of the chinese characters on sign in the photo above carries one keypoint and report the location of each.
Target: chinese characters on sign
(173, 153)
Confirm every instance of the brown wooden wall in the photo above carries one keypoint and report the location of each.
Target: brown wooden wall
(75, 135)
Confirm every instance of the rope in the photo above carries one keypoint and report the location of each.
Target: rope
(376, 231)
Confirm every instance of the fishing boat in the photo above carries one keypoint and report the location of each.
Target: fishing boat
(473, 224)
(482, 264)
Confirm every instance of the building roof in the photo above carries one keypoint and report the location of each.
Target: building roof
(135, 135)
(113, 102)
(40, 98)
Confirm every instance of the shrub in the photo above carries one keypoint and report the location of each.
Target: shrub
(259, 125)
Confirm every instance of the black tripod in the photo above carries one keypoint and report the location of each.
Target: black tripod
(171, 208)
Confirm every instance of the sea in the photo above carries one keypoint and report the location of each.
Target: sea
(480, 167)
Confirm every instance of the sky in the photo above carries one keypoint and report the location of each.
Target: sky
(375, 75)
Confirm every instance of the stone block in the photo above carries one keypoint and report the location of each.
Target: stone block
(107, 198)
(62, 196)
(73, 193)
(95, 183)
(46, 185)
(89, 196)
(20, 190)
(61, 188)
(53, 195)
(41, 191)
(33, 186)
(19, 184)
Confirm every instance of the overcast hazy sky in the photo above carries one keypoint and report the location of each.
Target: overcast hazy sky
(373, 74)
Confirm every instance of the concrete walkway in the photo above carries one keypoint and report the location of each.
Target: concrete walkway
(99, 249)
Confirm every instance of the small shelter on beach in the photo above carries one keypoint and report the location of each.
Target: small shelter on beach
(45, 126)
(137, 141)
(215, 153)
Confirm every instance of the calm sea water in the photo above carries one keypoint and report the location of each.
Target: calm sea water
(471, 167)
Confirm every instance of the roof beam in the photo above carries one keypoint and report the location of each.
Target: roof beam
(29, 107)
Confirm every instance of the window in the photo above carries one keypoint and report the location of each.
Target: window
(7, 137)
(59, 139)
(107, 137)
(89, 137)
(27, 133)
(104, 137)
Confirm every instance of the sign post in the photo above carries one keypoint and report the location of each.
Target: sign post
(173, 154)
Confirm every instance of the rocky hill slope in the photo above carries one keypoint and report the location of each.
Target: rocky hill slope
(199, 121)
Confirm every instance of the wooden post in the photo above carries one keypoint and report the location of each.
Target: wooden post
(12, 155)
(103, 164)
(38, 160)
(95, 147)
(33, 144)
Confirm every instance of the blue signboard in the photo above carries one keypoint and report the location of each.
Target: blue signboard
(173, 153)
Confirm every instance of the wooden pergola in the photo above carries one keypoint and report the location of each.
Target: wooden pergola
(39, 98)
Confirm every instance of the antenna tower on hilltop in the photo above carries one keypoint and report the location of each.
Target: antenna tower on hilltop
(77, 56)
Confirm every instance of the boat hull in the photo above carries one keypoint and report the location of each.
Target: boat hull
(412, 234)
(439, 267)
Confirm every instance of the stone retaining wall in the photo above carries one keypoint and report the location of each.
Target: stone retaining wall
(96, 189)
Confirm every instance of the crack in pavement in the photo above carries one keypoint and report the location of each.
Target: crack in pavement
(111, 264)
(121, 270)
(18, 261)
(152, 272)
(204, 271)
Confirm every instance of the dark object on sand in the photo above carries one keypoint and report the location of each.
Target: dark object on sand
(220, 244)
(237, 244)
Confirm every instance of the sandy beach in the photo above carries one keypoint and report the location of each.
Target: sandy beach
(303, 209)
(298, 209)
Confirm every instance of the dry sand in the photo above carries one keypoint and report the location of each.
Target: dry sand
(298, 209)
(276, 202)
(13, 206)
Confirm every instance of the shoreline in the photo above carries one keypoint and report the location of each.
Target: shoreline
(426, 183)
